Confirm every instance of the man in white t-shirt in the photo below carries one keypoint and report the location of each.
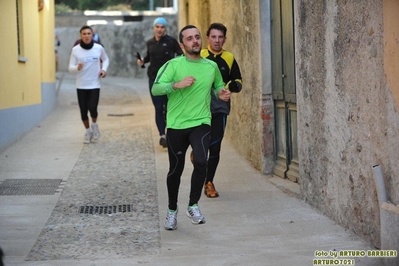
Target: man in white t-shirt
(90, 62)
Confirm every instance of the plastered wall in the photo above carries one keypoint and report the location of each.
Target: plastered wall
(27, 87)
(347, 114)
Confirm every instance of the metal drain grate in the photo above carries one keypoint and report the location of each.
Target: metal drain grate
(105, 209)
(18, 187)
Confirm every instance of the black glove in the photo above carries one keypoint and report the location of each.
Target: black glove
(233, 86)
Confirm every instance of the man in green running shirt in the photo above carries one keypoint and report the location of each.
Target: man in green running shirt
(188, 81)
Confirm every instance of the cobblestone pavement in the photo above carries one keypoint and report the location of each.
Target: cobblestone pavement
(119, 171)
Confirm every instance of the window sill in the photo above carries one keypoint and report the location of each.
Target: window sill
(22, 59)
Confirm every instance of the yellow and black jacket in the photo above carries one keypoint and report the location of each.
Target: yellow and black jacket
(230, 73)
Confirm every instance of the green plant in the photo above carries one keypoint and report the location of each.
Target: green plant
(62, 8)
(119, 7)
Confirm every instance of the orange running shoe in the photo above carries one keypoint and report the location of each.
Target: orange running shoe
(210, 191)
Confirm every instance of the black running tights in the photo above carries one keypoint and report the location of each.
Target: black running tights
(178, 142)
(88, 101)
(217, 133)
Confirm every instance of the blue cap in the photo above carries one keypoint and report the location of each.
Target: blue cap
(160, 20)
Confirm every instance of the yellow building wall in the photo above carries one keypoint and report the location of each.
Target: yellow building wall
(21, 81)
(196, 13)
(47, 25)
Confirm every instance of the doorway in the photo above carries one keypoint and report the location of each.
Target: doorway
(284, 89)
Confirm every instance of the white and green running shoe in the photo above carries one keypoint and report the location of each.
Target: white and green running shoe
(194, 213)
(171, 220)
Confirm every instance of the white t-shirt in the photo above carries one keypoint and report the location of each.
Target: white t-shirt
(89, 76)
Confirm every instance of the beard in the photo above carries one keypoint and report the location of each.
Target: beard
(194, 51)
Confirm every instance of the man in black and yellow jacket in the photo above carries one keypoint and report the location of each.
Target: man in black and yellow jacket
(216, 36)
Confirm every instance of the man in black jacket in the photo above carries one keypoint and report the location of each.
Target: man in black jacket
(160, 49)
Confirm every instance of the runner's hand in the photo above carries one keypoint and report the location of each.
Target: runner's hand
(184, 83)
(224, 95)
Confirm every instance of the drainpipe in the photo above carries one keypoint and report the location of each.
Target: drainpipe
(389, 220)
(379, 183)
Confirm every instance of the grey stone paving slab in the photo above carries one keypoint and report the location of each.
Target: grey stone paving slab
(117, 169)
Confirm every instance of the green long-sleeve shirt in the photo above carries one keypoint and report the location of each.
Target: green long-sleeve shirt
(188, 107)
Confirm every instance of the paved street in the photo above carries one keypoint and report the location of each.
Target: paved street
(104, 203)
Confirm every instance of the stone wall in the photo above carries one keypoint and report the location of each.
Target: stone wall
(121, 42)
(347, 117)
